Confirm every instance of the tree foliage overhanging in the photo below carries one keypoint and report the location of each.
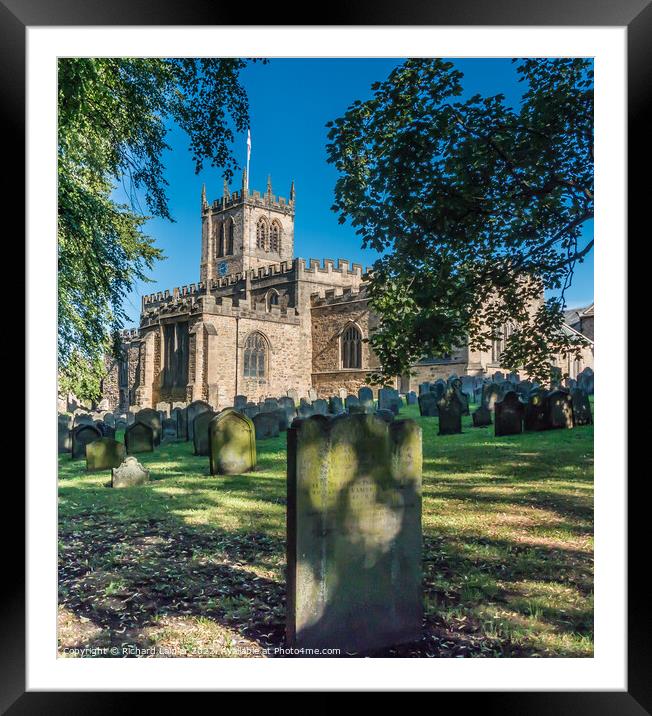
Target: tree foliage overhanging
(476, 207)
(113, 118)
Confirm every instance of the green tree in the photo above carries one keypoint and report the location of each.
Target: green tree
(475, 207)
(113, 117)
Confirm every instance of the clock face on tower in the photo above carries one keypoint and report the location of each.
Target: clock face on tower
(222, 268)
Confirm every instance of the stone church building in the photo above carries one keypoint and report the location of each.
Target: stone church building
(259, 322)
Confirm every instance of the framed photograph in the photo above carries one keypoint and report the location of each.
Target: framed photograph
(317, 308)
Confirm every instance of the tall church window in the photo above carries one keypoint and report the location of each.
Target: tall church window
(175, 355)
(275, 237)
(262, 231)
(229, 238)
(272, 298)
(255, 356)
(351, 342)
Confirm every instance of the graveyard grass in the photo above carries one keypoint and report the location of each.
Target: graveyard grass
(193, 564)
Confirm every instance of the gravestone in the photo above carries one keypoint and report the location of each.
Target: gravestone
(585, 380)
(312, 395)
(152, 419)
(106, 430)
(270, 404)
(284, 418)
(424, 388)
(498, 377)
(481, 417)
(81, 436)
(438, 388)
(354, 533)
(163, 408)
(120, 425)
(365, 393)
(320, 406)
(560, 409)
(181, 417)
(509, 412)
(428, 405)
(104, 454)
(450, 410)
(64, 439)
(139, 438)
(305, 410)
(232, 441)
(239, 402)
(411, 398)
(555, 377)
(200, 432)
(335, 405)
(293, 394)
(491, 392)
(251, 409)
(386, 415)
(192, 411)
(351, 400)
(266, 426)
(343, 392)
(109, 419)
(581, 407)
(82, 419)
(129, 474)
(536, 411)
(169, 427)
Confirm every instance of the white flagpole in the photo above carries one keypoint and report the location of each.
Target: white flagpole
(248, 154)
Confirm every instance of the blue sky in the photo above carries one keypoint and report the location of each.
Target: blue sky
(290, 102)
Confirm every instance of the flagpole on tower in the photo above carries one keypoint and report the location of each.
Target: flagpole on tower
(248, 155)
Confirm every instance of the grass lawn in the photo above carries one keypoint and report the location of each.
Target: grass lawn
(193, 565)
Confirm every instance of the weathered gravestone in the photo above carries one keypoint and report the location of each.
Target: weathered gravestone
(509, 412)
(283, 417)
(481, 417)
(200, 432)
(82, 419)
(109, 419)
(560, 409)
(424, 388)
(239, 402)
(251, 409)
(180, 415)
(169, 427)
(581, 407)
(81, 436)
(428, 405)
(64, 440)
(438, 388)
(411, 398)
(129, 474)
(343, 392)
(365, 393)
(312, 394)
(104, 453)
(270, 404)
(305, 410)
(320, 406)
(139, 438)
(106, 430)
(163, 407)
(585, 380)
(450, 411)
(294, 395)
(389, 399)
(456, 385)
(386, 415)
(266, 426)
(232, 441)
(354, 533)
(192, 411)
(491, 392)
(351, 400)
(152, 419)
(335, 405)
(536, 411)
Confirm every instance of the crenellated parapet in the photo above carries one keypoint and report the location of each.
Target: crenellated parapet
(330, 266)
(336, 296)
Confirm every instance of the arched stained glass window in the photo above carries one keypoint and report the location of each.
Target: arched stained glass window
(275, 237)
(351, 347)
(255, 356)
(262, 231)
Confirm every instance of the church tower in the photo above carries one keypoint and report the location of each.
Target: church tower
(245, 230)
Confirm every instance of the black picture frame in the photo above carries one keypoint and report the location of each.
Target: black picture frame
(17, 15)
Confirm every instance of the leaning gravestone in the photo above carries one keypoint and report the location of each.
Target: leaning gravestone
(200, 432)
(192, 411)
(428, 405)
(81, 436)
(536, 411)
(481, 417)
(450, 410)
(354, 533)
(232, 441)
(560, 409)
(581, 407)
(139, 438)
(509, 414)
(104, 454)
(266, 426)
(129, 474)
(151, 418)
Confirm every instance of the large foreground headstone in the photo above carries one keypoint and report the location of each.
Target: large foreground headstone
(509, 414)
(139, 438)
(354, 533)
(104, 454)
(129, 474)
(232, 440)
